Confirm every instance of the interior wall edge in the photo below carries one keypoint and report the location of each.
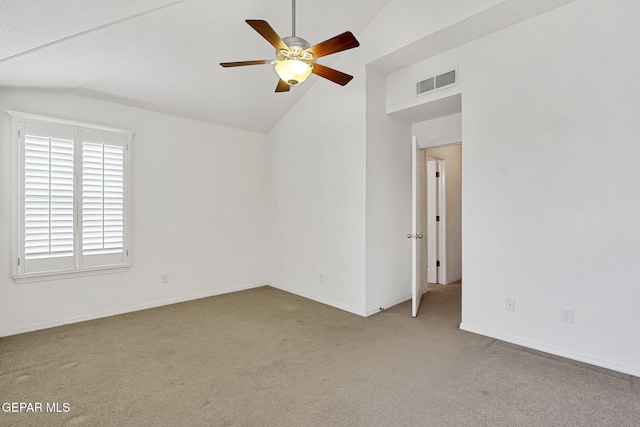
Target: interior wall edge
(453, 280)
(390, 304)
(439, 143)
(334, 304)
(607, 364)
(140, 307)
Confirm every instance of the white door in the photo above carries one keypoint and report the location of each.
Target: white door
(417, 266)
(432, 224)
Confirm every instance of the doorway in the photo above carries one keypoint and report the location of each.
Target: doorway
(437, 215)
(445, 207)
(436, 124)
(434, 219)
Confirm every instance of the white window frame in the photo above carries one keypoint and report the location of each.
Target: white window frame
(20, 275)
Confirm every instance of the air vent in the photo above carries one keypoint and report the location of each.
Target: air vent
(425, 86)
(437, 82)
(446, 79)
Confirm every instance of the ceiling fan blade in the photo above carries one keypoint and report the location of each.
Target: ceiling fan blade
(268, 33)
(335, 44)
(243, 63)
(282, 86)
(331, 74)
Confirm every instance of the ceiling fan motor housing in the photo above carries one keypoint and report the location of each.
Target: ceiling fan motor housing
(297, 47)
(296, 42)
(296, 56)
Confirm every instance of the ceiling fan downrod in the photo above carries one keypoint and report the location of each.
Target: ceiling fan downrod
(297, 45)
(293, 18)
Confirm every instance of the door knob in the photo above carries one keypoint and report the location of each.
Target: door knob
(419, 236)
(408, 236)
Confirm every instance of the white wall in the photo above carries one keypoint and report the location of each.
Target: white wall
(317, 180)
(403, 22)
(440, 131)
(388, 145)
(547, 219)
(388, 192)
(198, 191)
(327, 166)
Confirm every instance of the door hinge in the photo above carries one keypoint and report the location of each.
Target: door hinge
(437, 263)
(437, 217)
(437, 174)
(18, 262)
(19, 134)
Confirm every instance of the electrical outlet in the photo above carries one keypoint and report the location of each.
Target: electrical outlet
(510, 304)
(566, 315)
(164, 278)
(321, 277)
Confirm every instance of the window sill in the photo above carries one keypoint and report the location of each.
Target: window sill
(68, 274)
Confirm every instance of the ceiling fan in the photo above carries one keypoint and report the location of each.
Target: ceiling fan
(296, 58)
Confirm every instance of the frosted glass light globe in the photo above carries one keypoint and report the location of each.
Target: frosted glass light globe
(293, 71)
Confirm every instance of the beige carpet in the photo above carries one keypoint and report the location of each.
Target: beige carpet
(268, 358)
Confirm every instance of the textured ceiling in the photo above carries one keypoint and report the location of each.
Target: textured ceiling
(163, 55)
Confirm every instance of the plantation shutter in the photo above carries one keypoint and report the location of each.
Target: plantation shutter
(102, 199)
(48, 197)
(72, 211)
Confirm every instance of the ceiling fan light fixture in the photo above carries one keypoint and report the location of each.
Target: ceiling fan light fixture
(293, 71)
(296, 58)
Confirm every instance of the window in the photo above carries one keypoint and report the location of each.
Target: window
(72, 215)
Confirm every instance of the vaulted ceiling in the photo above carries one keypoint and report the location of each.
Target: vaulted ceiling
(163, 55)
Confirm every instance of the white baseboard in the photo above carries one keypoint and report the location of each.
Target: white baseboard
(454, 280)
(614, 366)
(320, 300)
(389, 304)
(109, 313)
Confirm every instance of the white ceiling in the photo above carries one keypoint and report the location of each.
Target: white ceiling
(164, 55)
